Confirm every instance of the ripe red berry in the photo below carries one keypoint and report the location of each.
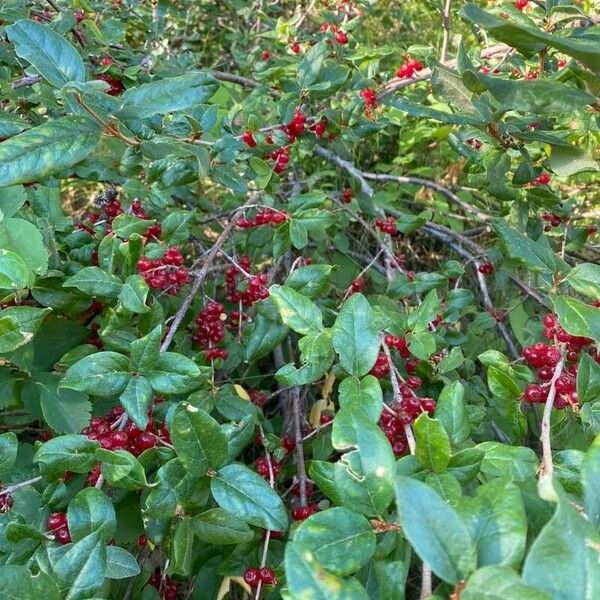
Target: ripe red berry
(369, 96)
(265, 55)
(252, 577)
(521, 4)
(341, 37)
(62, 535)
(534, 394)
(267, 576)
(486, 268)
(347, 195)
(248, 139)
(295, 47)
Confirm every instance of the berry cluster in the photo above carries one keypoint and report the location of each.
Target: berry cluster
(409, 67)
(58, 527)
(340, 35)
(403, 413)
(104, 429)
(486, 268)
(553, 220)
(387, 225)
(267, 216)
(262, 467)
(381, 367)
(211, 329)
(112, 209)
(369, 96)
(166, 273)
(167, 587)
(296, 126)
(255, 290)
(257, 397)
(545, 358)
(254, 576)
(541, 179)
(153, 231)
(399, 343)
(281, 156)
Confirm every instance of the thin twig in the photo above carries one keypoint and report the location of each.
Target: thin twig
(426, 582)
(299, 451)
(9, 489)
(446, 41)
(547, 467)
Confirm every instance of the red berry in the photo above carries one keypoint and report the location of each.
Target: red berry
(295, 47)
(267, 576)
(534, 394)
(252, 577)
(265, 55)
(248, 139)
(62, 535)
(341, 37)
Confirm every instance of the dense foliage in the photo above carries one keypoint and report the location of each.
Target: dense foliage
(299, 300)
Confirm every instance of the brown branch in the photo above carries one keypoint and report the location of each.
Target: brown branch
(444, 53)
(9, 489)
(25, 81)
(299, 451)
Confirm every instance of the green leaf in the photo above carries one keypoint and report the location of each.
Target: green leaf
(311, 64)
(25, 239)
(450, 86)
(306, 578)
(419, 319)
(355, 336)
(563, 560)
(435, 530)
(183, 547)
(136, 399)
(133, 294)
(14, 272)
(66, 453)
(91, 511)
(175, 374)
(296, 311)
(8, 451)
(422, 345)
(247, 495)
(121, 469)
(576, 317)
(433, 445)
(65, 411)
(17, 583)
(498, 523)
(364, 393)
(175, 486)
(499, 583)
(540, 97)
(537, 255)
(311, 281)
(95, 282)
(46, 149)
(585, 279)
(590, 479)
(588, 379)
(53, 57)
(340, 540)
(101, 374)
(16, 532)
(198, 440)
(167, 95)
(452, 412)
(11, 336)
(265, 333)
(368, 454)
(425, 112)
(218, 526)
(120, 564)
(465, 465)
(569, 160)
(529, 40)
(500, 459)
(82, 568)
(145, 352)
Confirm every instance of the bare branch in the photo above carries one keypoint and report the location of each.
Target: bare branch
(446, 41)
